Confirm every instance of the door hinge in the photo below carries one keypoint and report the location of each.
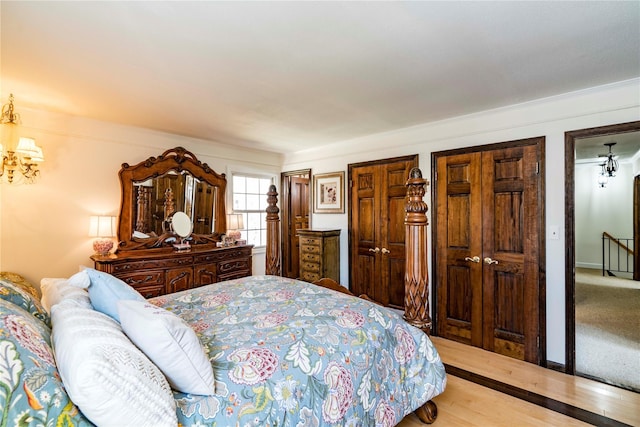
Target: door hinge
(537, 168)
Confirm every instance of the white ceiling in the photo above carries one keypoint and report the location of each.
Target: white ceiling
(286, 76)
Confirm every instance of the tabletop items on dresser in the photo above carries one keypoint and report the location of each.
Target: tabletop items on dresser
(319, 254)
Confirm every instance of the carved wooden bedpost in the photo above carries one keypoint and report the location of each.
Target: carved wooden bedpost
(416, 276)
(273, 233)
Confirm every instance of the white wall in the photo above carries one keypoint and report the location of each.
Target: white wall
(550, 117)
(599, 209)
(43, 227)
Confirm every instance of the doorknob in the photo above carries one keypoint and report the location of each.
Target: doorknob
(474, 259)
(376, 250)
(490, 261)
(385, 251)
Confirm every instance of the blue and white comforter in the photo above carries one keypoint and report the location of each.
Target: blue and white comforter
(290, 353)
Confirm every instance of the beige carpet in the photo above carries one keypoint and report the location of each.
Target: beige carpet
(608, 329)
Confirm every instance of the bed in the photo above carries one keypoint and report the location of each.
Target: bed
(278, 351)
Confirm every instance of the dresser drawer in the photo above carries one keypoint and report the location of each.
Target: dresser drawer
(310, 257)
(311, 266)
(151, 291)
(310, 277)
(149, 264)
(310, 249)
(142, 278)
(226, 267)
(148, 283)
(310, 241)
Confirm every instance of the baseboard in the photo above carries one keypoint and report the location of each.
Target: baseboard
(589, 265)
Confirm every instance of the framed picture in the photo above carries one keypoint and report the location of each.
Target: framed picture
(328, 195)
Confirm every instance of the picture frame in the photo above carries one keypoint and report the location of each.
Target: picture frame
(328, 192)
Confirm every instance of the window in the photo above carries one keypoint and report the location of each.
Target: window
(250, 200)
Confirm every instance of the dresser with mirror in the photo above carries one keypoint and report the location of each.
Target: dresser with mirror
(157, 252)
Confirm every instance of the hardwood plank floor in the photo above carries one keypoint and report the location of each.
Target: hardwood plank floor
(465, 403)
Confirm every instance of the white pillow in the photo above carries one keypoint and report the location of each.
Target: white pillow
(107, 377)
(54, 290)
(80, 279)
(170, 343)
(49, 290)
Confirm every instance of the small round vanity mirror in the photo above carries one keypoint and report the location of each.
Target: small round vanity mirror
(181, 224)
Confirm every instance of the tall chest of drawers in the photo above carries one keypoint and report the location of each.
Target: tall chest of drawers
(319, 254)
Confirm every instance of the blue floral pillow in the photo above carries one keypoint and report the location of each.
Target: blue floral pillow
(31, 392)
(13, 293)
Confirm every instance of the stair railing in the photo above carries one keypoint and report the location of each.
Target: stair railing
(621, 253)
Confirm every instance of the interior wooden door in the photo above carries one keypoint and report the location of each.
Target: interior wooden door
(299, 215)
(376, 222)
(296, 200)
(489, 229)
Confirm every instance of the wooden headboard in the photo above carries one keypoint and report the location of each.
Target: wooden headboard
(416, 276)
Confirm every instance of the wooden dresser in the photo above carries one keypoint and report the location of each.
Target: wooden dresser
(319, 254)
(168, 271)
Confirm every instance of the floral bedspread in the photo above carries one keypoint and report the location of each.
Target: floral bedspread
(289, 353)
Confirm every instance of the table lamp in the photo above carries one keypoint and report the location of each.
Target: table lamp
(104, 228)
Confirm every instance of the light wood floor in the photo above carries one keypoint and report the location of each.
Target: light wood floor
(465, 403)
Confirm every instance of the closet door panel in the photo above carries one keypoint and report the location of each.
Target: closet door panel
(365, 220)
(459, 245)
(510, 286)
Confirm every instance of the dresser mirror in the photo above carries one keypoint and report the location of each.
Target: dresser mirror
(154, 190)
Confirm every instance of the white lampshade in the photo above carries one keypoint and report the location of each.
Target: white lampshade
(26, 146)
(102, 226)
(235, 222)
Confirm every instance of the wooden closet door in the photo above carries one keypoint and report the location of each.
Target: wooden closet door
(459, 248)
(364, 224)
(487, 250)
(377, 254)
(510, 252)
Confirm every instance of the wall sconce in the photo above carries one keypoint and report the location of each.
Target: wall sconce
(104, 228)
(17, 153)
(235, 223)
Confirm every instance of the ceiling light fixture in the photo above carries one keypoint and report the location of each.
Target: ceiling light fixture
(17, 153)
(611, 165)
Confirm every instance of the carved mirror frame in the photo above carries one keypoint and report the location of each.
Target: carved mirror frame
(178, 160)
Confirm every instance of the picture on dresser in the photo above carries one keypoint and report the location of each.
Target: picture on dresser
(328, 195)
